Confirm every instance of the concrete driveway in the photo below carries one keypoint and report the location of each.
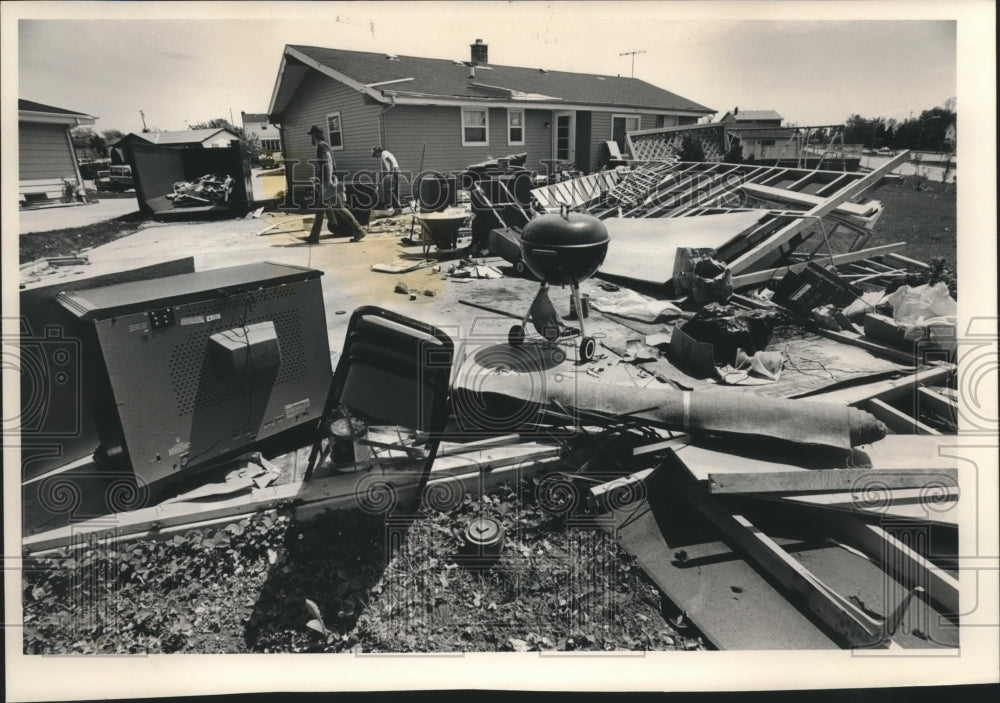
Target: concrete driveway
(50, 218)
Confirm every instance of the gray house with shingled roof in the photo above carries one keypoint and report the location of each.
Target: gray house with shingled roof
(456, 113)
(46, 157)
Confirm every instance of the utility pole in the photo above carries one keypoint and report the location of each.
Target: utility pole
(632, 54)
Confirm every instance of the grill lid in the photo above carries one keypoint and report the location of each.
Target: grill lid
(571, 229)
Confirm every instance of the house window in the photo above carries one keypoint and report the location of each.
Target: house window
(334, 131)
(475, 127)
(620, 124)
(270, 144)
(515, 127)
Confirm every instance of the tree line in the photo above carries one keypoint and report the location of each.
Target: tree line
(926, 132)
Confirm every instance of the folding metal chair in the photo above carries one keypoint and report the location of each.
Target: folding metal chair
(393, 370)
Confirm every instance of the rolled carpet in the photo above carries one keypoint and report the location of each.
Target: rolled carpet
(505, 400)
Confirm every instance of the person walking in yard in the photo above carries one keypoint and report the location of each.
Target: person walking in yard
(390, 178)
(340, 221)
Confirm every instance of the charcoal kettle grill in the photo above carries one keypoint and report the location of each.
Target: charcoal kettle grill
(561, 249)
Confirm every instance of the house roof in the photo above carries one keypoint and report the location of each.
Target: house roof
(188, 136)
(384, 77)
(37, 112)
(753, 116)
(254, 117)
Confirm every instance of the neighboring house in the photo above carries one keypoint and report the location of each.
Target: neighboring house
(46, 158)
(195, 138)
(257, 125)
(761, 134)
(216, 137)
(450, 114)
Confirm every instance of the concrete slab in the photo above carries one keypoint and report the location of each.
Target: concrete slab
(48, 219)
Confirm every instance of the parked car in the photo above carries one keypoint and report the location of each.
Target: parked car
(271, 159)
(103, 181)
(121, 178)
(90, 169)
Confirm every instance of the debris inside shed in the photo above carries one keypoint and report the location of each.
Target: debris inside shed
(204, 190)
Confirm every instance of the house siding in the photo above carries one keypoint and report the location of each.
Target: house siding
(406, 129)
(600, 132)
(409, 128)
(318, 96)
(44, 152)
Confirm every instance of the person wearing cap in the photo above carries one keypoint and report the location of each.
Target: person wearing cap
(390, 177)
(332, 194)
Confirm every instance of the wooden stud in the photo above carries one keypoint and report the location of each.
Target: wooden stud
(826, 480)
(318, 494)
(854, 189)
(900, 561)
(896, 420)
(885, 390)
(757, 277)
(846, 621)
(938, 404)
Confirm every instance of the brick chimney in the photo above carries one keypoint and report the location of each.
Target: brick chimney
(480, 53)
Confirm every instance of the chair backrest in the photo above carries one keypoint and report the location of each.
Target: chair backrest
(394, 370)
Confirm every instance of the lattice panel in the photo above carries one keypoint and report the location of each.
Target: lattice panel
(666, 143)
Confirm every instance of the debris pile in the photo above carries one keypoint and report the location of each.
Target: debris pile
(209, 189)
(747, 434)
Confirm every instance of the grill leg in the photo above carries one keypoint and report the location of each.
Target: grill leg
(578, 306)
(527, 315)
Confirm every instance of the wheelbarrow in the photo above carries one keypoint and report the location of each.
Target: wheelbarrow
(440, 229)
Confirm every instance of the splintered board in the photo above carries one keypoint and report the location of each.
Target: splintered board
(70, 523)
(908, 476)
(849, 597)
(894, 462)
(738, 606)
(731, 603)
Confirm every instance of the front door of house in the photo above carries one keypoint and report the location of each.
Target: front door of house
(564, 136)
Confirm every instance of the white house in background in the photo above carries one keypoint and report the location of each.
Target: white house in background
(761, 134)
(951, 137)
(218, 137)
(46, 158)
(257, 124)
(213, 137)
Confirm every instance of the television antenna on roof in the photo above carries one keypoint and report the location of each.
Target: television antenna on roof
(632, 54)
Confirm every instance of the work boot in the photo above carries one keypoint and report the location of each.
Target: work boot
(358, 237)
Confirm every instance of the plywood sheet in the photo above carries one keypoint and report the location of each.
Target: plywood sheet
(643, 249)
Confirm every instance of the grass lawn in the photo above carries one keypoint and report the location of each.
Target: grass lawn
(63, 242)
(924, 219)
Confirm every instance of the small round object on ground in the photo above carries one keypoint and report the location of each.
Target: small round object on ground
(558, 356)
(484, 536)
(520, 268)
(515, 337)
(588, 347)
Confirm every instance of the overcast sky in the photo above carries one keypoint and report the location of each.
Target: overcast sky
(186, 64)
